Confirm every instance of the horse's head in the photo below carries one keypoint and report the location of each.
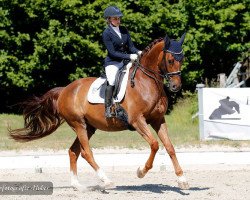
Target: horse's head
(170, 61)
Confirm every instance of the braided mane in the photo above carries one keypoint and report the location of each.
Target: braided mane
(151, 45)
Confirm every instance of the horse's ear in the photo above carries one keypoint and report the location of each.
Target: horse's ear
(167, 42)
(182, 38)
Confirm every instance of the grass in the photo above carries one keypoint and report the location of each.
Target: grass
(182, 131)
(61, 139)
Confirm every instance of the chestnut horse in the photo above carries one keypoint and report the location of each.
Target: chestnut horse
(145, 104)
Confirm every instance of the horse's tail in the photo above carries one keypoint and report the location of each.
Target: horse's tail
(41, 117)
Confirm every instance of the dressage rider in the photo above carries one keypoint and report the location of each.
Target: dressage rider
(120, 47)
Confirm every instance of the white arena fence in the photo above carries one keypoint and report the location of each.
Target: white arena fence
(224, 113)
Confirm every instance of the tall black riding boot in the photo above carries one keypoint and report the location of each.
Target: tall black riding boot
(108, 101)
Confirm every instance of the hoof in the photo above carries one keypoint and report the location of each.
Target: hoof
(109, 185)
(183, 185)
(75, 184)
(95, 188)
(79, 187)
(140, 173)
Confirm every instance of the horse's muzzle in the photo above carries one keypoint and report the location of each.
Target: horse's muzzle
(175, 85)
(174, 81)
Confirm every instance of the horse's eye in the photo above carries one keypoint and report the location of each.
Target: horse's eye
(171, 62)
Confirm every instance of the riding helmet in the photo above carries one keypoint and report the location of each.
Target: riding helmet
(112, 11)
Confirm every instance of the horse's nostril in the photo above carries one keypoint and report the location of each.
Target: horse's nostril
(174, 86)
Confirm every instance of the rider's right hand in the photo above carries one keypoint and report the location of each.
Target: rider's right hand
(133, 57)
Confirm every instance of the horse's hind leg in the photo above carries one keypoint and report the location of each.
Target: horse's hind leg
(74, 152)
(161, 128)
(84, 133)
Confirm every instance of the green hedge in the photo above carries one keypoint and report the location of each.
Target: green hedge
(49, 43)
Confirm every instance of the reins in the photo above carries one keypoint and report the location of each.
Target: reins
(145, 69)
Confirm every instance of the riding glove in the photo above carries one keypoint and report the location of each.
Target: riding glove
(133, 57)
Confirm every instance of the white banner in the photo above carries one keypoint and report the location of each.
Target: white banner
(226, 113)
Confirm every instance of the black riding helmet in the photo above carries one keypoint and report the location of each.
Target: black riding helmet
(112, 11)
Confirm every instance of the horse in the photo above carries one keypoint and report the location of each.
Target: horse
(145, 103)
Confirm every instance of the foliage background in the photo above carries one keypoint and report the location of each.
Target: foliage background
(49, 43)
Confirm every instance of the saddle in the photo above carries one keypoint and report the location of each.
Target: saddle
(118, 82)
(96, 91)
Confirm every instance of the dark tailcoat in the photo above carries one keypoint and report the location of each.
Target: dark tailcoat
(119, 49)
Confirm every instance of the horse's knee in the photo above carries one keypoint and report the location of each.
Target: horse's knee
(155, 146)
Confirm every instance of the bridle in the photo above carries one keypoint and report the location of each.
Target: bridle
(164, 74)
(168, 75)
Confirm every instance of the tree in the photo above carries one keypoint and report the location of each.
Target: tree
(218, 35)
(44, 44)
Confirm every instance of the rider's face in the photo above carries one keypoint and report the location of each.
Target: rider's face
(115, 21)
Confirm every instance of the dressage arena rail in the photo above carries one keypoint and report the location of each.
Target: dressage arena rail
(124, 161)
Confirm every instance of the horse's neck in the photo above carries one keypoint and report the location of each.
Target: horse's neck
(150, 60)
(150, 80)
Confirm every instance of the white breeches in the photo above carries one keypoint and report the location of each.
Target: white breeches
(111, 71)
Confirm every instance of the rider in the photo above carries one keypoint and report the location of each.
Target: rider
(120, 47)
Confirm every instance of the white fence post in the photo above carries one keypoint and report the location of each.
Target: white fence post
(222, 79)
(200, 87)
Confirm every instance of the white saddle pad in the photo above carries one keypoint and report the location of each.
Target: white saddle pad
(96, 93)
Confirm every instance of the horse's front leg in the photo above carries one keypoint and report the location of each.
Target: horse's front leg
(142, 128)
(161, 129)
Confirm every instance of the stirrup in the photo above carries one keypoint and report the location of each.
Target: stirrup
(108, 112)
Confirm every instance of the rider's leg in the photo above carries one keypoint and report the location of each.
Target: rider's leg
(108, 101)
(111, 71)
